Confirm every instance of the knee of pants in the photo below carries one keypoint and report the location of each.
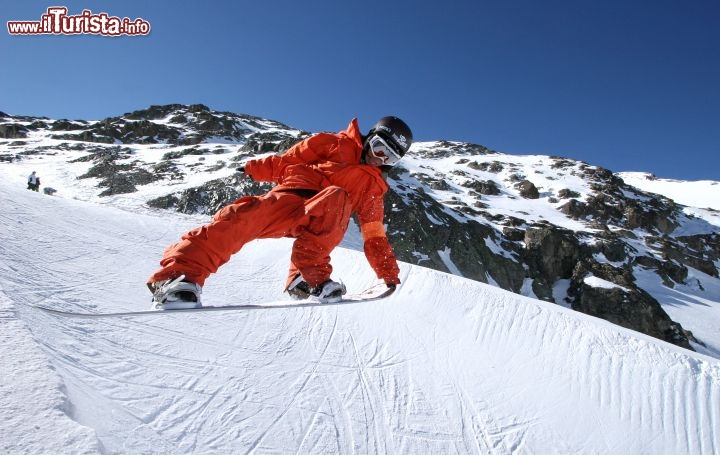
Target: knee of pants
(333, 201)
(335, 193)
(232, 211)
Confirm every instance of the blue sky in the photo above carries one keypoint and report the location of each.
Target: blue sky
(627, 85)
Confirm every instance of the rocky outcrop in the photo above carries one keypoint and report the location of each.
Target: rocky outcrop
(527, 189)
(115, 177)
(174, 124)
(623, 304)
(13, 131)
(699, 252)
(211, 196)
(424, 232)
(550, 254)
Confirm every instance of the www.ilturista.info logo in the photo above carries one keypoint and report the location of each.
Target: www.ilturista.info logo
(57, 22)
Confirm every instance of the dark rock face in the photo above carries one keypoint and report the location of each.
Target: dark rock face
(424, 232)
(13, 131)
(551, 252)
(699, 251)
(115, 177)
(625, 304)
(527, 189)
(486, 187)
(567, 194)
(212, 196)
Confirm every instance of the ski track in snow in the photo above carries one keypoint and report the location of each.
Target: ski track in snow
(445, 365)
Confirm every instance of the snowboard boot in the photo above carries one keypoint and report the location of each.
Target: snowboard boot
(328, 292)
(175, 294)
(298, 288)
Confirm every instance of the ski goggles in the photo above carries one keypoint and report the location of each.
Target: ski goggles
(383, 151)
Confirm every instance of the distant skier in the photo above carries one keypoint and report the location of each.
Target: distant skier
(321, 182)
(33, 182)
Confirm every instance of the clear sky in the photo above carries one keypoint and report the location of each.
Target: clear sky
(625, 84)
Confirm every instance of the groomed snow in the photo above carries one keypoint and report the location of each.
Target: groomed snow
(446, 365)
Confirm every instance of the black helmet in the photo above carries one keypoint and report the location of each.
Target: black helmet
(395, 131)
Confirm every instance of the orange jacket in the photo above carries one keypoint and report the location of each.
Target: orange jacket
(333, 159)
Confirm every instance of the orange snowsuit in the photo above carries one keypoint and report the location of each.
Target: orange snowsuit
(321, 183)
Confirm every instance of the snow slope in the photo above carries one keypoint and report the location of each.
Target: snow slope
(446, 365)
(697, 193)
(701, 197)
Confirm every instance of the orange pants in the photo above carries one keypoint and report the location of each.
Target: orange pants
(318, 224)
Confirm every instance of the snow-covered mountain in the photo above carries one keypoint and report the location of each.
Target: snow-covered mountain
(545, 227)
(445, 365)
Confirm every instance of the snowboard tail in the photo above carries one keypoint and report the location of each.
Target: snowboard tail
(376, 292)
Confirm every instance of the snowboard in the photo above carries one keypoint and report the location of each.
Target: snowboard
(376, 292)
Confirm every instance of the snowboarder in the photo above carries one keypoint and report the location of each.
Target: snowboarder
(33, 182)
(321, 182)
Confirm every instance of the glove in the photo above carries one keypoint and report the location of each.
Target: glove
(391, 287)
(240, 169)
